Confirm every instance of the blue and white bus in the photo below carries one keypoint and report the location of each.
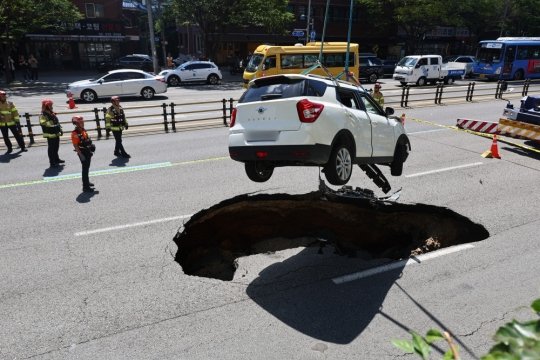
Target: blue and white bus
(508, 58)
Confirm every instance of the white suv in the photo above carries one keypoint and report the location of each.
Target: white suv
(193, 71)
(308, 120)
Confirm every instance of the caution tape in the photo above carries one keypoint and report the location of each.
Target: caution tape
(530, 148)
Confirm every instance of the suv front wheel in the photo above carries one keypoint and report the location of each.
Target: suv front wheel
(258, 171)
(338, 170)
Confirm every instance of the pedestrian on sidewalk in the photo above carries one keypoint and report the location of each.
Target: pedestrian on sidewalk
(9, 120)
(23, 66)
(85, 150)
(33, 63)
(115, 121)
(52, 130)
(11, 67)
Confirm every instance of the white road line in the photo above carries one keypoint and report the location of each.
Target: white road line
(425, 131)
(400, 264)
(127, 226)
(443, 170)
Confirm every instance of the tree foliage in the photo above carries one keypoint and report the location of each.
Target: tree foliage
(19, 17)
(220, 16)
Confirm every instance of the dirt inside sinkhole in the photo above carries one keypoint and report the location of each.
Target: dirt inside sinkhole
(213, 238)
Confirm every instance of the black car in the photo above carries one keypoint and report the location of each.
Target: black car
(134, 61)
(389, 66)
(371, 68)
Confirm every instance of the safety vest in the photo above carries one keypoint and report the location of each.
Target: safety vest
(83, 141)
(115, 119)
(379, 98)
(9, 115)
(50, 125)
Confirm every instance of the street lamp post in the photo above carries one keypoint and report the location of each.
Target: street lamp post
(308, 20)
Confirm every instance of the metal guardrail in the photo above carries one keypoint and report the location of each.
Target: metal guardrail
(211, 113)
(453, 93)
(218, 112)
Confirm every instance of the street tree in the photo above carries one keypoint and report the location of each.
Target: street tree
(218, 17)
(19, 17)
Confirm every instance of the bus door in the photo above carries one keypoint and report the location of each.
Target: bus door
(269, 66)
(508, 61)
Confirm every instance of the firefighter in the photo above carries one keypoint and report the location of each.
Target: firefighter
(9, 120)
(115, 121)
(52, 130)
(378, 95)
(85, 150)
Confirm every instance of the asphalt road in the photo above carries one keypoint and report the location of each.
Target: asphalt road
(94, 277)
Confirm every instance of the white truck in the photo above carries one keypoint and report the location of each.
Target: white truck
(425, 69)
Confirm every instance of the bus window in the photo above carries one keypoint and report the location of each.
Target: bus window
(254, 62)
(310, 60)
(270, 62)
(291, 61)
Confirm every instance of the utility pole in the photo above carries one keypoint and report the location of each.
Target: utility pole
(503, 21)
(152, 35)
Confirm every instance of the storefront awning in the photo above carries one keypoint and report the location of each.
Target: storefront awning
(81, 38)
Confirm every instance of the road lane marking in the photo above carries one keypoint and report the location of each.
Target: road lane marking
(443, 170)
(400, 264)
(114, 171)
(129, 226)
(425, 131)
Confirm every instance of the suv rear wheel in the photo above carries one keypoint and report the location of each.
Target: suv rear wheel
(258, 171)
(173, 80)
(338, 170)
(400, 155)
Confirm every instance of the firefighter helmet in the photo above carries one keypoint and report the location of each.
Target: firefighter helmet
(78, 121)
(115, 99)
(46, 104)
(2, 93)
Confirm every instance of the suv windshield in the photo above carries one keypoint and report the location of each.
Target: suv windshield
(281, 87)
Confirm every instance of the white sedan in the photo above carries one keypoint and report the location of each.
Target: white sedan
(124, 82)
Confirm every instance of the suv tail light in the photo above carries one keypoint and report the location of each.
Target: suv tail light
(233, 117)
(308, 111)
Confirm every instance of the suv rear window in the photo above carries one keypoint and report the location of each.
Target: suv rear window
(281, 87)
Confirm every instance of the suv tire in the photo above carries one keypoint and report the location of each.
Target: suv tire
(338, 169)
(258, 171)
(173, 80)
(400, 155)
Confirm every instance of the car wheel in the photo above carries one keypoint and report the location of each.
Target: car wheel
(518, 75)
(89, 95)
(400, 155)
(373, 78)
(449, 81)
(258, 171)
(421, 81)
(173, 80)
(147, 93)
(338, 170)
(213, 79)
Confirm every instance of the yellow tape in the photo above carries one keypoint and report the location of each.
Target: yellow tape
(530, 148)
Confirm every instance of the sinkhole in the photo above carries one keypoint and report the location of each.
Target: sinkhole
(210, 242)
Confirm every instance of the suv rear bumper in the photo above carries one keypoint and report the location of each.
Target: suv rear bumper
(317, 154)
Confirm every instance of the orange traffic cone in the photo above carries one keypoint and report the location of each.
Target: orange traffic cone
(493, 152)
(71, 102)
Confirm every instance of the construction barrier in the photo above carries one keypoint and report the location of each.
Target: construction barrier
(485, 127)
(519, 129)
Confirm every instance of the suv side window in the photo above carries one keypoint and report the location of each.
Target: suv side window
(347, 98)
(369, 105)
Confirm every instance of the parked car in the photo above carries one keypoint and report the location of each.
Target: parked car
(193, 71)
(389, 66)
(134, 61)
(371, 68)
(123, 82)
(307, 120)
(467, 60)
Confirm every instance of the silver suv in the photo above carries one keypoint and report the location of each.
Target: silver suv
(193, 71)
(308, 120)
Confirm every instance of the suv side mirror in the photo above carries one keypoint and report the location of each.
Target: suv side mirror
(389, 111)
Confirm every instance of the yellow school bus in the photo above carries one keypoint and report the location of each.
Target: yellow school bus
(274, 59)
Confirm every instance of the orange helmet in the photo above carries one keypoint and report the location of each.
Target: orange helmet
(2, 93)
(46, 104)
(115, 99)
(78, 121)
